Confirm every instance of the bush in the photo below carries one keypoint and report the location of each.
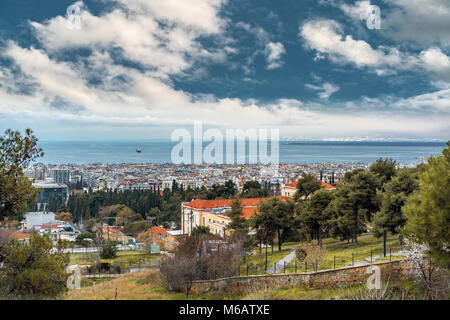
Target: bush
(300, 254)
(108, 250)
(33, 270)
(192, 261)
(80, 240)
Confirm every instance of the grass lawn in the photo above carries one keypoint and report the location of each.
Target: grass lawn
(260, 260)
(124, 258)
(325, 242)
(87, 282)
(342, 255)
(136, 286)
(145, 286)
(343, 252)
(301, 293)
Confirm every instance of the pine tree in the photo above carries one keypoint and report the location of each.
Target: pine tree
(314, 218)
(306, 186)
(347, 214)
(428, 210)
(278, 216)
(17, 151)
(238, 223)
(384, 168)
(396, 192)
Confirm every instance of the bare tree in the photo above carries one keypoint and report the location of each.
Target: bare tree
(199, 258)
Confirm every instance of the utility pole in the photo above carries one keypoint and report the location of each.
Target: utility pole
(266, 257)
(384, 242)
(191, 220)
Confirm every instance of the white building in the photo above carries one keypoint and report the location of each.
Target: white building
(33, 219)
(60, 176)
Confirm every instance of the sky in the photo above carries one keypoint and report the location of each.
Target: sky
(139, 69)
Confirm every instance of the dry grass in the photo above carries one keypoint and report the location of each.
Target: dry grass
(136, 286)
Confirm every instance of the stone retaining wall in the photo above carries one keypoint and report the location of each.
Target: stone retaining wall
(340, 277)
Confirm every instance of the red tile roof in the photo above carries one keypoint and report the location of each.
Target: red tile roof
(249, 212)
(20, 235)
(10, 234)
(50, 226)
(249, 206)
(212, 204)
(158, 230)
(327, 186)
(292, 185)
(113, 229)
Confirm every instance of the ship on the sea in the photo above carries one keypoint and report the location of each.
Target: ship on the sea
(138, 150)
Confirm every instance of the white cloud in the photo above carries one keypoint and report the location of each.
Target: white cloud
(327, 37)
(437, 101)
(139, 97)
(136, 29)
(201, 15)
(143, 100)
(324, 91)
(357, 11)
(424, 22)
(419, 22)
(436, 61)
(274, 51)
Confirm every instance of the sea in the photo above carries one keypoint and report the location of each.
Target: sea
(301, 152)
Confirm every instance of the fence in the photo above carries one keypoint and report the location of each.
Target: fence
(96, 249)
(329, 263)
(338, 278)
(105, 270)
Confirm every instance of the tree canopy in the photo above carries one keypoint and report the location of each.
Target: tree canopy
(313, 217)
(385, 169)
(354, 204)
(238, 223)
(306, 186)
(428, 209)
(393, 198)
(33, 270)
(17, 151)
(275, 217)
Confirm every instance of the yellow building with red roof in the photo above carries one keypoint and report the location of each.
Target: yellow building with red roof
(288, 190)
(213, 213)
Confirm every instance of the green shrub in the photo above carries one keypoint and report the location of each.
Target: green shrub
(108, 250)
(33, 270)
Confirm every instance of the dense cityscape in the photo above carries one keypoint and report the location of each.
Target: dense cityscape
(160, 176)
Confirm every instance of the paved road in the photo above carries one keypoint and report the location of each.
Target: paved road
(280, 264)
